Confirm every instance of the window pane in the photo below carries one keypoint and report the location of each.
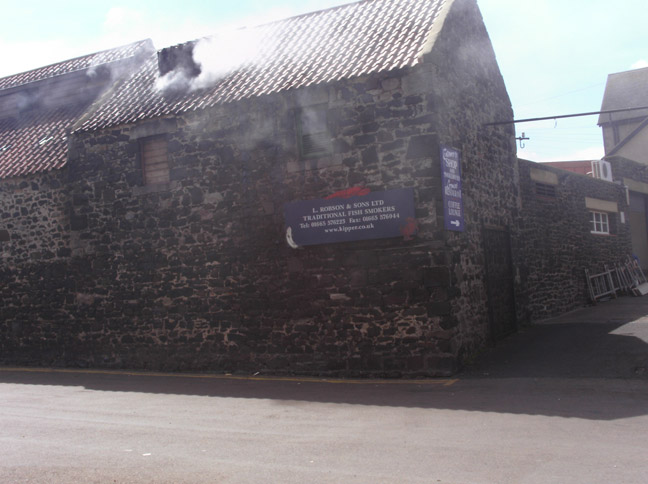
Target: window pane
(599, 223)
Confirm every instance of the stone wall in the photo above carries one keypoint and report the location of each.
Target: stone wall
(196, 274)
(623, 168)
(556, 244)
(34, 256)
(468, 91)
(34, 218)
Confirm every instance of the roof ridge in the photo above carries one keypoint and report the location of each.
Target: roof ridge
(136, 44)
(628, 71)
(266, 24)
(316, 12)
(377, 36)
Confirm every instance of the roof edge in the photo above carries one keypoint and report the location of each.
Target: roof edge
(437, 27)
(609, 82)
(97, 104)
(144, 43)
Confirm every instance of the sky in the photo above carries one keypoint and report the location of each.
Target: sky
(554, 55)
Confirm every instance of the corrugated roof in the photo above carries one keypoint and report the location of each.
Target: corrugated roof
(33, 138)
(627, 89)
(339, 43)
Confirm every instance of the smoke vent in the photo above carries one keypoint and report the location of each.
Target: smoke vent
(178, 58)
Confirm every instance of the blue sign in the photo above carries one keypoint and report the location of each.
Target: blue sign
(375, 215)
(453, 211)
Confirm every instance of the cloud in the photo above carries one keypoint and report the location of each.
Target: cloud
(122, 18)
(640, 64)
(589, 153)
(24, 56)
(122, 25)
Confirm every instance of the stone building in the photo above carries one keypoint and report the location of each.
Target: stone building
(569, 222)
(171, 246)
(37, 111)
(625, 138)
(187, 226)
(624, 126)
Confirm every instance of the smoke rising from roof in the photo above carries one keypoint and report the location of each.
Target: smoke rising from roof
(213, 59)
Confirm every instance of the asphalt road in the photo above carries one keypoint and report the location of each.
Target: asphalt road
(561, 402)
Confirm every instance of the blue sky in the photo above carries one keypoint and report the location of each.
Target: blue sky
(555, 55)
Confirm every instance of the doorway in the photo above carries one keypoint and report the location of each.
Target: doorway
(499, 283)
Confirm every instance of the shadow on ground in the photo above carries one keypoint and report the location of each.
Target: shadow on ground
(589, 364)
(609, 340)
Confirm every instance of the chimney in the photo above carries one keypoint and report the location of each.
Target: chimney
(178, 58)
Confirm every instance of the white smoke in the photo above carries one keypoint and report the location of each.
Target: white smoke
(221, 55)
(174, 81)
(217, 57)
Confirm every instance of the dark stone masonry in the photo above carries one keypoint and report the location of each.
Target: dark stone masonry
(556, 244)
(100, 269)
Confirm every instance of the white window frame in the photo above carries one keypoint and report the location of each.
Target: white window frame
(599, 223)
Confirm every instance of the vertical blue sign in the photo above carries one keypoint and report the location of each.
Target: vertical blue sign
(453, 211)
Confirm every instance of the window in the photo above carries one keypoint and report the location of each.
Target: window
(599, 223)
(545, 190)
(155, 162)
(312, 131)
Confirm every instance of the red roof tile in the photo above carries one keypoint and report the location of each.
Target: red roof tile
(72, 65)
(36, 143)
(343, 42)
(35, 118)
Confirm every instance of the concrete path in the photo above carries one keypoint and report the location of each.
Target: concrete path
(565, 401)
(609, 340)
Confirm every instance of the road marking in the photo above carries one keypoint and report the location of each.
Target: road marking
(432, 381)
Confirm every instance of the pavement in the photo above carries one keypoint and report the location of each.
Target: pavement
(564, 401)
(609, 340)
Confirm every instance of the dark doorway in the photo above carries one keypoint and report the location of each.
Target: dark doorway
(499, 283)
(637, 214)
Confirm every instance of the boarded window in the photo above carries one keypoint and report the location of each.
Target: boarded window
(155, 161)
(312, 129)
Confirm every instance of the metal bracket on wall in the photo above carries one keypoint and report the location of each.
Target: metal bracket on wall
(521, 139)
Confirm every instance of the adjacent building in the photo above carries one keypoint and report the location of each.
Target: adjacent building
(625, 129)
(625, 136)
